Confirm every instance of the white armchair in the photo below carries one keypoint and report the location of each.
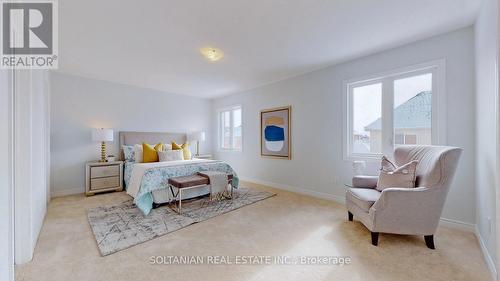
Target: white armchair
(413, 211)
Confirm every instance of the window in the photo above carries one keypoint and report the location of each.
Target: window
(397, 108)
(366, 107)
(230, 129)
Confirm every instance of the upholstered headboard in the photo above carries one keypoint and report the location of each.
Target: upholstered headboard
(131, 138)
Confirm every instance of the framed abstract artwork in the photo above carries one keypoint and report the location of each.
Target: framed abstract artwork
(275, 132)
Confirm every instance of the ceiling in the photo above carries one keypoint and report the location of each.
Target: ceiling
(155, 44)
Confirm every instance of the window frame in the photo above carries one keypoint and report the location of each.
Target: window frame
(220, 129)
(436, 67)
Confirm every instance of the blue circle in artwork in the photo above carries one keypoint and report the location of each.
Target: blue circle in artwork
(274, 133)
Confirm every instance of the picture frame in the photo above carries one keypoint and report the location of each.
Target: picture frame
(275, 133)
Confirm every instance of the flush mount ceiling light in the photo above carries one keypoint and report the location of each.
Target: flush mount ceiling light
(212, 54)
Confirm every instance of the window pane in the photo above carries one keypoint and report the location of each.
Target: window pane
(413, 110)
(367, 119)
(237, 135)
(399, 138)
(225, 129)
(411, 139)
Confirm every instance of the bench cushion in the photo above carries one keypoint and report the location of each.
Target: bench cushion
(192, 180)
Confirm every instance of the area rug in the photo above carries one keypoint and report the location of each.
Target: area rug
(122, 226)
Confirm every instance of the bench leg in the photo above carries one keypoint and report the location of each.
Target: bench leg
(180, 202)
(177, 196)
(224, 194)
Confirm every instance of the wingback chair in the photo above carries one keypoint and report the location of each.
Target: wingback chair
(412, 211)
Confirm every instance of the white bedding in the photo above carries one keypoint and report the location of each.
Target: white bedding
(140, 168)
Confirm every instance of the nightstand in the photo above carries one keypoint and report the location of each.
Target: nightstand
(204, 156)
(103, 176)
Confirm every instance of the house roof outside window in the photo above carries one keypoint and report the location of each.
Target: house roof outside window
(416, 113)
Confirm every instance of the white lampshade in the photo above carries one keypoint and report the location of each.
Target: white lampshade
(102, 134)
(196, 136)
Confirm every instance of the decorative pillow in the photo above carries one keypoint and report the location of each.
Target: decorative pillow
(128, 152)
(393, 176)
(175, 146)
(185, 149)
(170, 155)
(138, 153)
(160, 146)
(150, 153)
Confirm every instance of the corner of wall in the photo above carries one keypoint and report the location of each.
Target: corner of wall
(490, 262)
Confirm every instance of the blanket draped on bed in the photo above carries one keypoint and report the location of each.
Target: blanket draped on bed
(148, 177)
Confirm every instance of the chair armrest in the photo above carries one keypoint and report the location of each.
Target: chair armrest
(364, 181)
(408, 210)
(403, 196)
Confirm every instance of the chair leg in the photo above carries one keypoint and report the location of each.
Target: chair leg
(350, 215)
(429, 241)
(375, 238)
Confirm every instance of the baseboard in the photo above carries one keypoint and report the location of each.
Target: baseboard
(469, 227)
(487, 257)
(312, 193)
(341, 199)
(66, 192)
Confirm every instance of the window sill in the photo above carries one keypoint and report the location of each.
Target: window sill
(361, 157)
(230, 150)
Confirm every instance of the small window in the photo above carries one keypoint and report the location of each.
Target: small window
(230, 129)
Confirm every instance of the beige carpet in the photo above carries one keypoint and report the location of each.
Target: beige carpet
(285, 225)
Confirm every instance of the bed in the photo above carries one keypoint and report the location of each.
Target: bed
(147, 183)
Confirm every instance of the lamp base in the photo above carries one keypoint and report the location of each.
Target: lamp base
(103, 152)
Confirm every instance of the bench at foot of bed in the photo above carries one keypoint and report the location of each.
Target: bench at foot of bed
(189, 182)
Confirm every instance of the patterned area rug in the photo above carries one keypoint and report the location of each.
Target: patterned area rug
(123, 226)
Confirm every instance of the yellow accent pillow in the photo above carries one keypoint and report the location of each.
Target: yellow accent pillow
(160, 146)
(150, 153)
(185, 149)
(175, 146)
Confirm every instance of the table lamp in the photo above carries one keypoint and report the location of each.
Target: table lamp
(102, 135)
(197, 137)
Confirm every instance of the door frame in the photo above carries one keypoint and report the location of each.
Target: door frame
(7, 183)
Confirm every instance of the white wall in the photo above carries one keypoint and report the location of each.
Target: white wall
(80, 104)
(30, 153)
(6, 222)
(317, 164)
(486, 31)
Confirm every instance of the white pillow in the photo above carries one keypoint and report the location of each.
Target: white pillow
(170, 155)
(167, 146)
(138, 153)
